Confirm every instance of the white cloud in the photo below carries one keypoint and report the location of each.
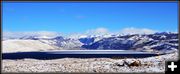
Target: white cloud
(46, 33)
(9, 34)
(133, 30)
(130, 30)
(97, 31)
(100, 31)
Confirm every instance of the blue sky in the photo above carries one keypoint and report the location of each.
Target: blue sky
(67, 17)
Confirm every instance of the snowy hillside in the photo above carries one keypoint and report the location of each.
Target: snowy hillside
(25, 45)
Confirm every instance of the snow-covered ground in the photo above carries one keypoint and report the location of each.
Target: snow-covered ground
(90, 65)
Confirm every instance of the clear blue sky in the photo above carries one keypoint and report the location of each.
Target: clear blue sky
(79, 17)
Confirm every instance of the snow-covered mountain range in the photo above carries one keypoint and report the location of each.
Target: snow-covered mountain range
(165, 42)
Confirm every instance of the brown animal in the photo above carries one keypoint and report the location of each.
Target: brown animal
(135, 63)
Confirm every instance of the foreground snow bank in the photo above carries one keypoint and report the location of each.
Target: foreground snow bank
(99, 65)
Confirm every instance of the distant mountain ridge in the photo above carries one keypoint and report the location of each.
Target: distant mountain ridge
(164, 42)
